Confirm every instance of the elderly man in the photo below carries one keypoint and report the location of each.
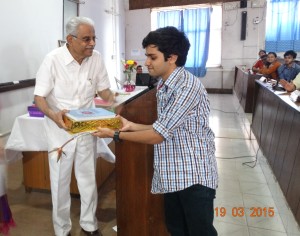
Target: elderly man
(69, 78)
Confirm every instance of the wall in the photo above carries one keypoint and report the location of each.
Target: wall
(34, 29)
(24, 58)
(234, 51)
(109, 17)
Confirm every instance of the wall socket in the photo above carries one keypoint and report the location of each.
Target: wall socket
(258, 3)
(231, 6)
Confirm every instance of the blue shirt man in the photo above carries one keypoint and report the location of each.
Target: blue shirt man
(289, 70)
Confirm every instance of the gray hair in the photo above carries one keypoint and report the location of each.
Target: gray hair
(75, 22)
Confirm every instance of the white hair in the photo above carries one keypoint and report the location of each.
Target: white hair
(75, 22)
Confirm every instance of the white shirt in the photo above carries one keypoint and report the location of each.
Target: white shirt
(68, 85)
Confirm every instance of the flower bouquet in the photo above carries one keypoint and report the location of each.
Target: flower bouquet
(129, 66)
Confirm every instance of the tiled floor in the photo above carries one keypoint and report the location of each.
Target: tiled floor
(244, 190)
(240, 188)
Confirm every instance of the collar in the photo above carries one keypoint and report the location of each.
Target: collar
(293, 65)
(173, 78)
(68, 58)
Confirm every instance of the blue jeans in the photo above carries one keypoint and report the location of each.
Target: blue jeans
(190, 212)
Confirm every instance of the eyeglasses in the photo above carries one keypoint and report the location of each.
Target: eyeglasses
(86, 39)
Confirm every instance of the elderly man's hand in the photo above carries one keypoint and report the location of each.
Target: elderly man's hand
(58, 119)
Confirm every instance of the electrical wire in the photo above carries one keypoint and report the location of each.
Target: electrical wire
(247, 163)
(239, 157)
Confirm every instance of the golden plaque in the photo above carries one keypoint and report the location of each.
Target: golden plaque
(88, 120)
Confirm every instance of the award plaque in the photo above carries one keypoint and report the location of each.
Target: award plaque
(88, 120)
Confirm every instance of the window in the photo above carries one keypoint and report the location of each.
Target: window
(215, 30)
(283, 25)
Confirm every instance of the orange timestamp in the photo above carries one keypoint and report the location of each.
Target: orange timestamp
(240, 211)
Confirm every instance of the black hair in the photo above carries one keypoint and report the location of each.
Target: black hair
(169, 40)
(290, 53)
(261, 50)
(139, 66)
(275, 55)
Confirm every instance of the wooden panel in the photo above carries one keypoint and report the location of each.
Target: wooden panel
(244, 84)
(290, 156)
(34, 170)
(269, 112)
(238, 83)
(284, 147)
(281, 153)
(275, 142)
(293, 193)
(249, 92)
(141, 4)
(138, 211)
(37, 175)
(257, 113)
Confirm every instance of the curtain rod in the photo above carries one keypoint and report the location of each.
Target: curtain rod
(77, 1)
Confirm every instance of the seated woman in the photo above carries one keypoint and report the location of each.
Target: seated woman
(6, 220)
(291, 86)
(261, 61)
(270, 70)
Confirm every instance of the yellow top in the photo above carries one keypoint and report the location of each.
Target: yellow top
(296, 81)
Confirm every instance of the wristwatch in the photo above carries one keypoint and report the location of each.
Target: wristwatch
(116, 137)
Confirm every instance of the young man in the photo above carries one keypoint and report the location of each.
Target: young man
(139, 69)
(68, 79)
(185, 168)
(289, 70)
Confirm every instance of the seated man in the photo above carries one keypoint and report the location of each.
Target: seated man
(291, 86)
(139, 69)
(261, 61)
(289, 70)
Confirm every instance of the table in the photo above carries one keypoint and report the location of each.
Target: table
(28, 141)
(244, 83)
(276, 125)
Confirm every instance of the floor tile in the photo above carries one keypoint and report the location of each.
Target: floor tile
(257, 218)
(264, 232)
(255, 188)
(228, 229)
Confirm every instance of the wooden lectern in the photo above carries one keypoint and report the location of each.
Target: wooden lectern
(139, 212)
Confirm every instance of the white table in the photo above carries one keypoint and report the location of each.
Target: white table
(28, 134)
(28, 138)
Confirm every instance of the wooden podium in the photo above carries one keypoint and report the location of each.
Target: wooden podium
(138, 211)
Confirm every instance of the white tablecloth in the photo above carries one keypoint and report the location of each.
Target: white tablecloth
(28, 134)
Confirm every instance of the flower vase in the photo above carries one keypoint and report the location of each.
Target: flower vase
(129, 84)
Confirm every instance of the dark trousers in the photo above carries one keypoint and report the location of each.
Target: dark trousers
(190, 212)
